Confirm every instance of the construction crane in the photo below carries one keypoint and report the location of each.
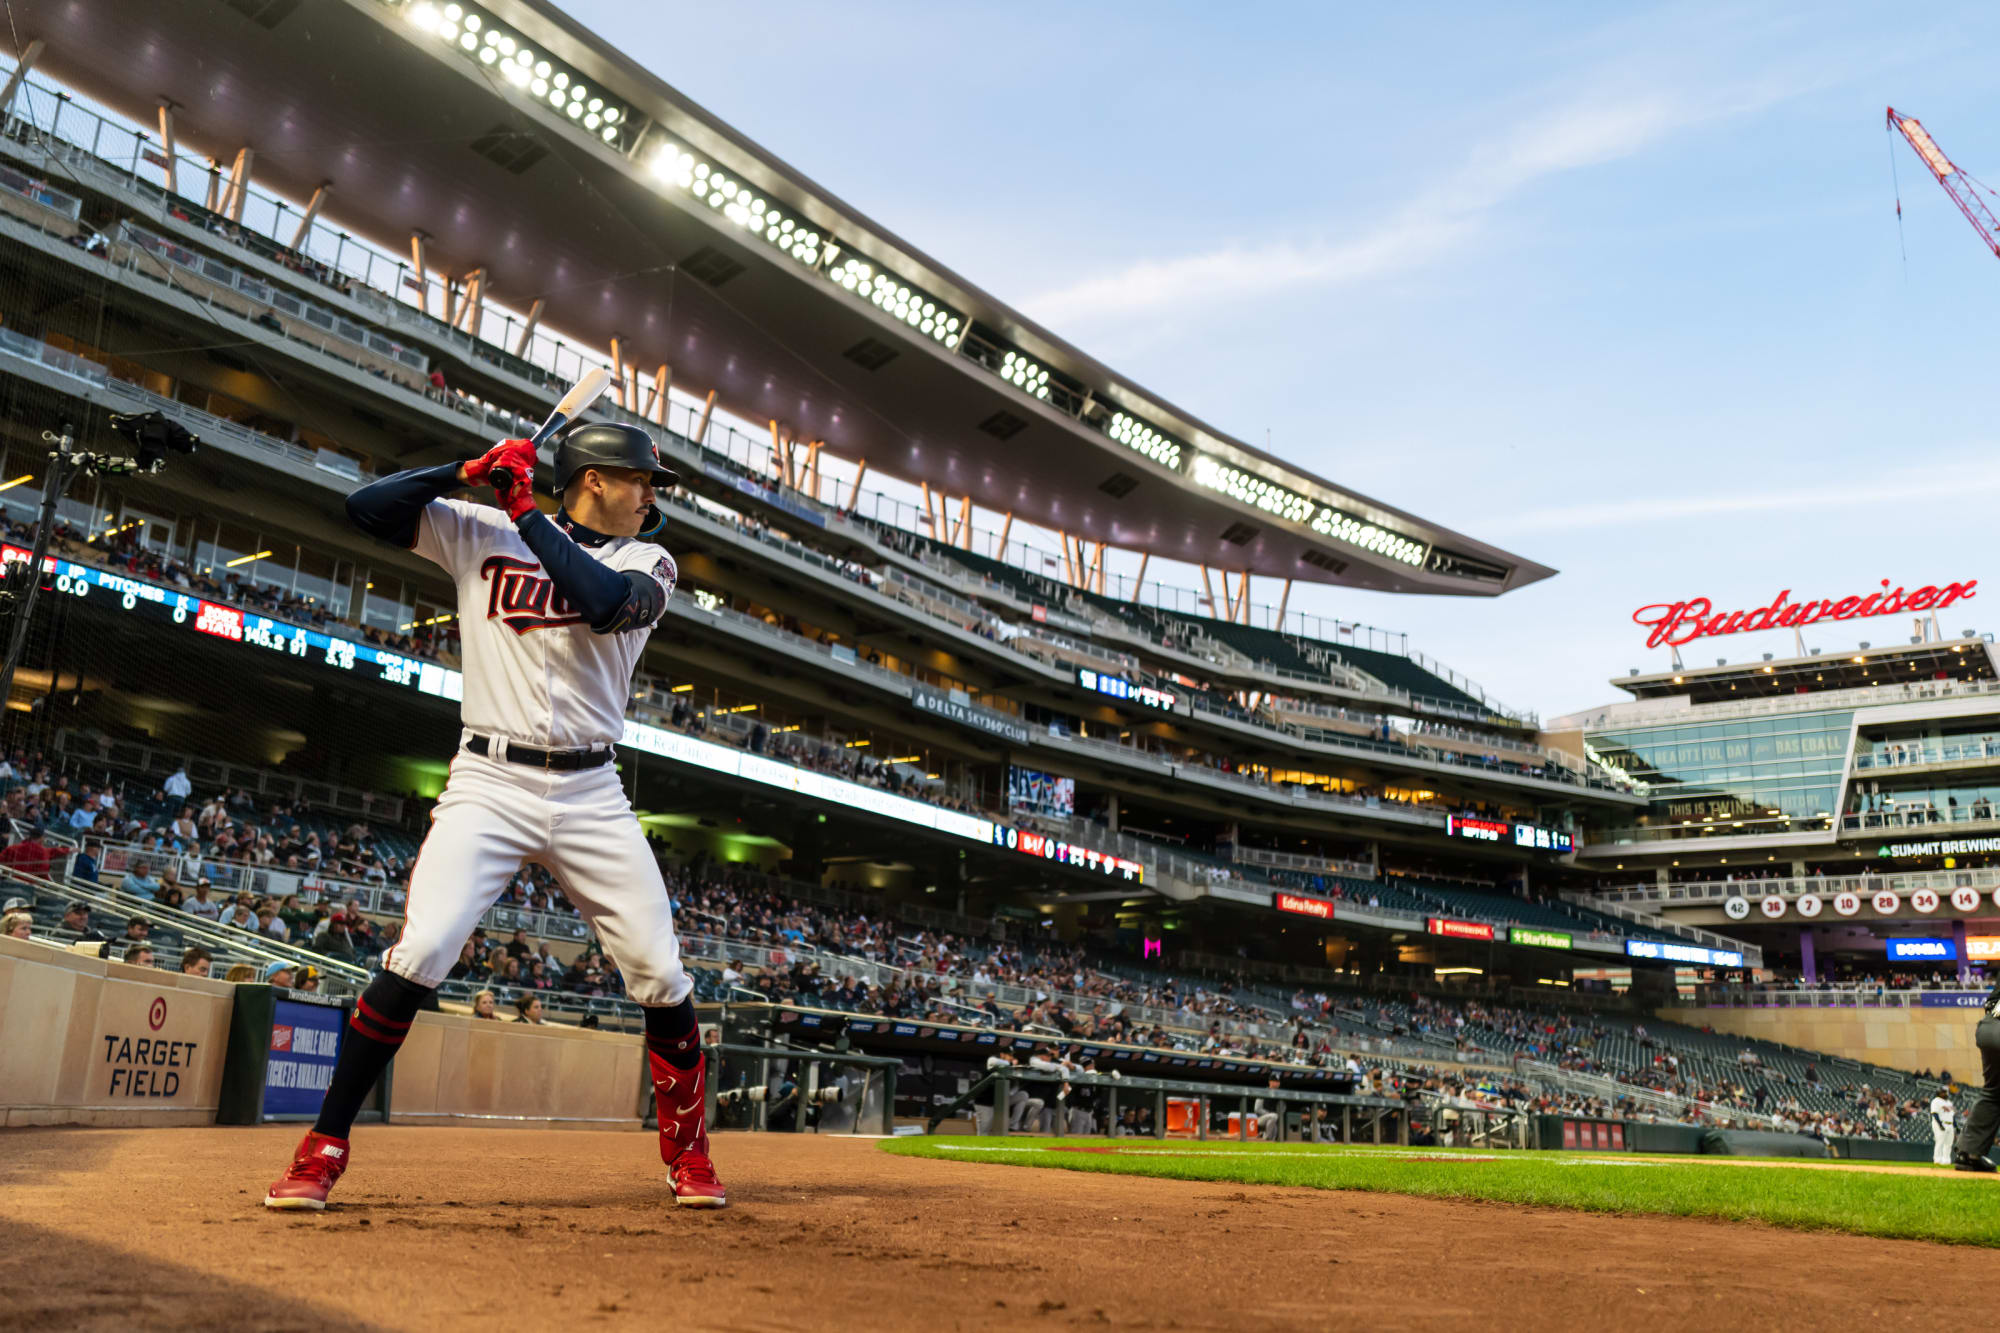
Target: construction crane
(1963, 189)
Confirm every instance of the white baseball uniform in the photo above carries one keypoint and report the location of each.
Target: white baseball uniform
(537, 675)
(1944, 1130)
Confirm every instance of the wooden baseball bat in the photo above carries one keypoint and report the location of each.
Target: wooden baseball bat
(580, 396)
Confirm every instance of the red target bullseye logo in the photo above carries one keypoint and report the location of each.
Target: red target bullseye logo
(156, 1016)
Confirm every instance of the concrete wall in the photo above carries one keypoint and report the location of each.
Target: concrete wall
(1911, 1039)
(460, 1070)
(86, 1041)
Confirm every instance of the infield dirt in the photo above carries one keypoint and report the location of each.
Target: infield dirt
(461, 1228)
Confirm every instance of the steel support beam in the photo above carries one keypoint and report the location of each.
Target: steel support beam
(17, 78)
(166, 142)
(423, 273)
(307, 218)
(707, 409)
(528, 329)
(239, 183)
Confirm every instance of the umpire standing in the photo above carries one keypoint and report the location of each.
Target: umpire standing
(1985, 1117)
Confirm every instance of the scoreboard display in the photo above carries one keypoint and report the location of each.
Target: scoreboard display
(151, 601)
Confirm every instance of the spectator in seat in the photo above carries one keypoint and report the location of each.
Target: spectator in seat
(202, 905)
(84, 816)
(30, 856)
(138, 930)
(138, 954)
(334, 939)
(239, 973)
(17, 926)
(196, 961)
(177, 787)
(518, 948)
(484, 1006)
(83, 865)
(241, 914)
(528, 1009)
(76, 918)
(184, 832)
(280, 974)
(270, 923)
(139, 881)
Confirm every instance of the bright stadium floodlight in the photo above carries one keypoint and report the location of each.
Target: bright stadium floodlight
(514, 58)
(1293, 507)
(740, 204)
(1136, 435)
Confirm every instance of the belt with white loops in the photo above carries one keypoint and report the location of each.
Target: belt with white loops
(555, 761)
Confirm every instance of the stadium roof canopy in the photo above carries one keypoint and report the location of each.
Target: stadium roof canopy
(635, 214)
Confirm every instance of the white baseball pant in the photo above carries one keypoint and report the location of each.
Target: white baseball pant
(1941, 1144)
(492, 818)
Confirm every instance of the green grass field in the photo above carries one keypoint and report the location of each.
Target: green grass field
(1928, 1204)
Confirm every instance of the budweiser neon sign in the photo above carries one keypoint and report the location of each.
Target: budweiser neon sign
(1676, 623)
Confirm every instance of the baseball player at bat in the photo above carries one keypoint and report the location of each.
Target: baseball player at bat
(553, 614)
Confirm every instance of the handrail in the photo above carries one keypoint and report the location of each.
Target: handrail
(1803, 996)
(198, 929)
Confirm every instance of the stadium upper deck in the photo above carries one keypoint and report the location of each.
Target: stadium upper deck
(554, 174)
(832, 656)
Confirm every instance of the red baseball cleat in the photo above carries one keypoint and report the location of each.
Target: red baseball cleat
(315, 1166)
(681, 1097)
(692, 1175)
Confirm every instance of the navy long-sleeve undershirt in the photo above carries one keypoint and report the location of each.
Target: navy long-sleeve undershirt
(596, 590)
(390, 508)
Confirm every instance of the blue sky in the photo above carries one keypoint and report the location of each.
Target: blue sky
(1624, 296)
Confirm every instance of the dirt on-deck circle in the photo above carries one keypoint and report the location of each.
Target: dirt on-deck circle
(463, 1228)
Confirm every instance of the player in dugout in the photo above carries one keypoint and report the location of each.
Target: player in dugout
(554, 613)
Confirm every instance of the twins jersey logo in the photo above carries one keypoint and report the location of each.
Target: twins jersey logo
(523, 597)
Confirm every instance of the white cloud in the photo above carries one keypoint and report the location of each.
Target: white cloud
(1618, 117)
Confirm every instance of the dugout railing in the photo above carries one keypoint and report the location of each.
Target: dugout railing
(861, 1090)
(1300, 1116)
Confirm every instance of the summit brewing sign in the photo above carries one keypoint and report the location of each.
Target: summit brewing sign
(1677, 623)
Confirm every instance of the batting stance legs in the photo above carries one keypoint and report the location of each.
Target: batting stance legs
(495, 815)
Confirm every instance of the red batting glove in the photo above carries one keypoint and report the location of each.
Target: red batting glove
(479, 470)
(511, 469)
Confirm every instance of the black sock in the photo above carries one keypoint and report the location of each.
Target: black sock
(673, 1034)
(381, 1020)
